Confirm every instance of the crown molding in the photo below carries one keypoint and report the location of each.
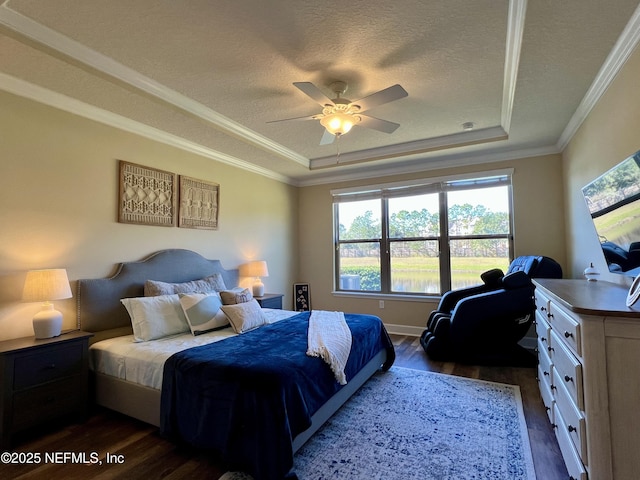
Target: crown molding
(43, 35)
(42, 95)
(515, 30)
(429, 164)
(460, 139)
(625, 45)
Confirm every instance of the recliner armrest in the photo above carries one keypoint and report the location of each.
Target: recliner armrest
(516, 280)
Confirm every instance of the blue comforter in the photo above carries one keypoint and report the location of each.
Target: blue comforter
(248, 397)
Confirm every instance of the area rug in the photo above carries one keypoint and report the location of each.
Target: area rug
(412, 424)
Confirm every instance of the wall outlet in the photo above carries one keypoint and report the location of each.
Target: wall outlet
(381, 304)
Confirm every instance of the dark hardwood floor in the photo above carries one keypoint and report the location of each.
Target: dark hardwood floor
(129, 449)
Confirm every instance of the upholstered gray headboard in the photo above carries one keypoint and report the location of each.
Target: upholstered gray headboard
(99, 307)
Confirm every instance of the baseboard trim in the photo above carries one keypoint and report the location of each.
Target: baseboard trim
(404, 330)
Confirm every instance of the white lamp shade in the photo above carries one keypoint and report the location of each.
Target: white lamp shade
(256, 269)
(43, 286)
(46, 285)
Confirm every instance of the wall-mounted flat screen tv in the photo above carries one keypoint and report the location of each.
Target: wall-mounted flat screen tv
(613, 200)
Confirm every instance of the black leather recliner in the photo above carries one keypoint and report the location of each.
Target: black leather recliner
(483, 324)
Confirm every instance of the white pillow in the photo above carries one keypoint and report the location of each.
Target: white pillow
(203, 312)
(245, 316)
(155, 317)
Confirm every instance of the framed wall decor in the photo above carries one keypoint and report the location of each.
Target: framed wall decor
(301, 297)
(199, 204)
(147, 196)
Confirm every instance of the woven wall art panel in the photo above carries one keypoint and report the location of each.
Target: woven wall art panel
(199, 204)
(147, 195)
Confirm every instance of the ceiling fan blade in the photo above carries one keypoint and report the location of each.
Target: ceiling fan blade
(308, 117)
(377, 124)
(327, 138)
(314, 92)
(390, 94)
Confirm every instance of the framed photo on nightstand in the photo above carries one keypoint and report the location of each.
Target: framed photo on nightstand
(301, 297)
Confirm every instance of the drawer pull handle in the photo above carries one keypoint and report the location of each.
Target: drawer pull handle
(554, 426)
(568, 334)
(551, 349)
(571, 428)
(545, 373)
(553, 387)
(543, 309)
(550, 315)
(568, 379)
(547, 408)
(543, 339)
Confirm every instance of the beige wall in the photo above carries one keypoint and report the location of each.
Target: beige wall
(58, 207)
(610, 133)
(539, 230)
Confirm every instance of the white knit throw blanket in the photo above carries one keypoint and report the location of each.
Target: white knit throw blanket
(329, 338)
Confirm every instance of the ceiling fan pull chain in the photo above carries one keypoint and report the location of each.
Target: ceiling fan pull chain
(338, 149)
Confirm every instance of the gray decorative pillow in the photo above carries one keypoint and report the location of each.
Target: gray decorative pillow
(236, 295)
(212, 283)
(245, 316)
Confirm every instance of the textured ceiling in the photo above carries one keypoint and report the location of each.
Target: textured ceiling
(209, 75)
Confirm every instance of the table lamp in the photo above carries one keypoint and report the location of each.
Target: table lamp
(44, 286)
(256, 269)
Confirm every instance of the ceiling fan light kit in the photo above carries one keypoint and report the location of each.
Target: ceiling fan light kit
(340, 115)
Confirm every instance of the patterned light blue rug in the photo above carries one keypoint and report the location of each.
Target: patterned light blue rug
(411, 424)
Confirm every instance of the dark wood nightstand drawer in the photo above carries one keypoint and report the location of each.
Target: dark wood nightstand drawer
(37, 368)
(49, 401)
(270, 300)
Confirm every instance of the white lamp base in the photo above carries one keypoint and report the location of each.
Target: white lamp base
(258, 288)
(47, 323)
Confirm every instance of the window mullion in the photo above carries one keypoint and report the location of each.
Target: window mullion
(385, 249)
(445, 251)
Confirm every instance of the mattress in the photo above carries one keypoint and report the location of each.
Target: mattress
(143, 362)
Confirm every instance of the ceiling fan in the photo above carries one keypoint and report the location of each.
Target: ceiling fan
(339, 115)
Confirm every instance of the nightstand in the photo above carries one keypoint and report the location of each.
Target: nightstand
(270, 300)
(42, 381)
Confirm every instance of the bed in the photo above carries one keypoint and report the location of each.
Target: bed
(235, 409)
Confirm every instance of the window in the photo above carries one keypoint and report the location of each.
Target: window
(425, 237)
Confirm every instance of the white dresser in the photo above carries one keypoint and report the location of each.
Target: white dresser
(589, 375)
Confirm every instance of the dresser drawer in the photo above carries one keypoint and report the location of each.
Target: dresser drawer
(572, 418)
(544, 362)
(37, 367)
(569, 369)
(566, 327)
(542, 303)
(49, 401)
(542, 330)
(547, 396)
(575, 467)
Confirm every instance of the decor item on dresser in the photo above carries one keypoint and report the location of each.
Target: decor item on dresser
(589, 366)
(256, 269)
(634, 292)
(199, 204)
(147, 195)
(483, 324)
(44, 286)
(212, 390)
(591, 273)
(301, 297)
